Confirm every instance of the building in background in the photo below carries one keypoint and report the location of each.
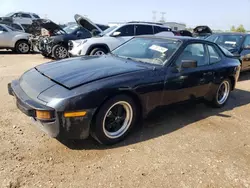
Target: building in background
(175, 26)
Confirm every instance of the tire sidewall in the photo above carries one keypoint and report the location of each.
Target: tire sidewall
(215, 102)
(97, 124)
(17, 47)
(98, 49)
(54, 51)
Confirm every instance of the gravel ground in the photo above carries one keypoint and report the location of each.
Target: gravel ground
(182, 146)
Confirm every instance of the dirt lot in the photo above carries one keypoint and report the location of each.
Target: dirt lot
(181, 146)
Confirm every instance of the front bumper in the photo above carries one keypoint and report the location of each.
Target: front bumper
(59, 126)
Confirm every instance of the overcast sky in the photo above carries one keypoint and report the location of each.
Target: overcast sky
(218, 14)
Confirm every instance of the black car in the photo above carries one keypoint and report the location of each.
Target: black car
(236, 43)
(56, 45)
(104, 96)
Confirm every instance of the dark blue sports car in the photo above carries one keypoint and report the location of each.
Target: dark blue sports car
(104, 96)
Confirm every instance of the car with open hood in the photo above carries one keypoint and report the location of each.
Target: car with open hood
(104, 96)
(236, 43)
(115, 36)
(56, 45)
(16, 40)
(202, 31)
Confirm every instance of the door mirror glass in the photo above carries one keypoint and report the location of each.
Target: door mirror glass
(188, 64)
(116, 34)
(79, 33)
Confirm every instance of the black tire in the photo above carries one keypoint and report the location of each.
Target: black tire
(228, 87)
(99, 127)
(22, 47)
(45, 55)
(100, 51)
(59, 52)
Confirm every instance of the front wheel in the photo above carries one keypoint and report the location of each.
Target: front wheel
(222, 94)
(22, 47)
(59, 52)
(114, 120)
(98, 51)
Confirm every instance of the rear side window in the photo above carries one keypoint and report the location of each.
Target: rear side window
(25, 16)
(213, 55)
(127, 30)
(36, 16)
(2, 29)
(158, 29)
(143, 30)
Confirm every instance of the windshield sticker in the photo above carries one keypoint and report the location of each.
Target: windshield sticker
(230, 42)
(158, 48)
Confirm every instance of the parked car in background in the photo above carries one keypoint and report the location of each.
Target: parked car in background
(23, 18)
(183, 33)
(104, 96)
(202, 32)
(13, 39)
(56, 46)
(236, 43)
(113, 37)
(16, 26)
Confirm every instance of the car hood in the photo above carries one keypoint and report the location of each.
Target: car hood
(74, 72)
(46, 24)
(87, 23)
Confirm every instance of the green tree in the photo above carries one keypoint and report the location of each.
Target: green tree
(241, 29)
(233, 28)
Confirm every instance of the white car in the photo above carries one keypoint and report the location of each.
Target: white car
(113, 37)
(13, 39)
(23, 18)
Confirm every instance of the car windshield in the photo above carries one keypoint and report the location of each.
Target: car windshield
(148, 50)
(10, 14)
(11, 28)
(227, 41)
(36, 16)
(71, 28)
(226, 52)
(106, 31)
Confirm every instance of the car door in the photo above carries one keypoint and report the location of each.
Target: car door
(4, 37)
(121, 35)
(245, 53)
(185, 83)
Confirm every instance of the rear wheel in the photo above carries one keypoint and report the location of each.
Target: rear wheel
(22, 47)
(59, 52)
(222, 94)
(98, 51)
(114, 120)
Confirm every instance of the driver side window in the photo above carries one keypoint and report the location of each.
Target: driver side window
(195, 52)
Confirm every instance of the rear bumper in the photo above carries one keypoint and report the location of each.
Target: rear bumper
(59, 126)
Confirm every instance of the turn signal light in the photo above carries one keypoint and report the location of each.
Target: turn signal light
(75, 114)
(45, 115)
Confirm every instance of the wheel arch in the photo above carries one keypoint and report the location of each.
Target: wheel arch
(128, 93)
(97, 45)
(19, 40)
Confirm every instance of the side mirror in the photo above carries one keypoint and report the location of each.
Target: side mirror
(79, 33)
(185, 64)
(2, 31)
(116, 34)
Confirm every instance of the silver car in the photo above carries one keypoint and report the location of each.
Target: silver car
(13, 39)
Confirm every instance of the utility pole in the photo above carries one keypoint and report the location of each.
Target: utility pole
(162, 16)
(154, 15)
